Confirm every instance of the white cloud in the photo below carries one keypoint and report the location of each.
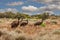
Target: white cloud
(29, 8)
(43, 1)
(50, 7)
(36, 10)
(48, 1)
(9, 9)
(15, 3)
(51, 12)
(2, 11)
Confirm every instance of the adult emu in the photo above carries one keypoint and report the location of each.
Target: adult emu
(14, 24)
(24, 23)
(38, 23)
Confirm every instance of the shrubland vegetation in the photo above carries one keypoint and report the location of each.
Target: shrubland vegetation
(13, 15)
(37, 16)
(17, 34)
(18, 14)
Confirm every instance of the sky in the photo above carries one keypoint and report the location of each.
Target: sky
(30, 7)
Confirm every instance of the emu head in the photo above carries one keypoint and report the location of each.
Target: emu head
(18, 18)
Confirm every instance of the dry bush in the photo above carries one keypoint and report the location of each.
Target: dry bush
(17, 34)
(12, 35)
(56, 32)
(21, 38)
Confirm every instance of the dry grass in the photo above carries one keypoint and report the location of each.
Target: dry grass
(29, 32)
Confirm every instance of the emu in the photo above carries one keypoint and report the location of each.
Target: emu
(14, 24)
(24, 23)
(38, 23)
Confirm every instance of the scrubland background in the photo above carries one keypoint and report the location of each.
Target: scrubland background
(49, 30)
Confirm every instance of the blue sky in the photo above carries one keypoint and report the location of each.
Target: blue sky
(30, 6)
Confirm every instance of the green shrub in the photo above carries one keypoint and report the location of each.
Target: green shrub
(43, 25)
(18, 31)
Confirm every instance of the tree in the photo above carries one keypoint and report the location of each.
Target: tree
(9, 15)
(45, 15)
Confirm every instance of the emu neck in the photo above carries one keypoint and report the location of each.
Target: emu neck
(27, 21)
(18, 21)
(21, 20)
(42, 21)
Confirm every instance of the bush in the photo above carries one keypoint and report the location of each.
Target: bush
(43, 25)
(57, 32)
(18, 31)
(54, 22)
(21, 38)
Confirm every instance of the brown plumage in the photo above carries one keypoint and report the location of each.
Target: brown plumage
(14, 24)
(38, 23)
(24, 23)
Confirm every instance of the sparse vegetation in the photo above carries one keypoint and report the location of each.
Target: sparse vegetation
(29, 32)
(21, 38)
(57, 32)
(43, 24)
(54, 22)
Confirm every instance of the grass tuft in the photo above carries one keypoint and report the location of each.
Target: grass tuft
(21, 38)
(56, 32)
(43, 25)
